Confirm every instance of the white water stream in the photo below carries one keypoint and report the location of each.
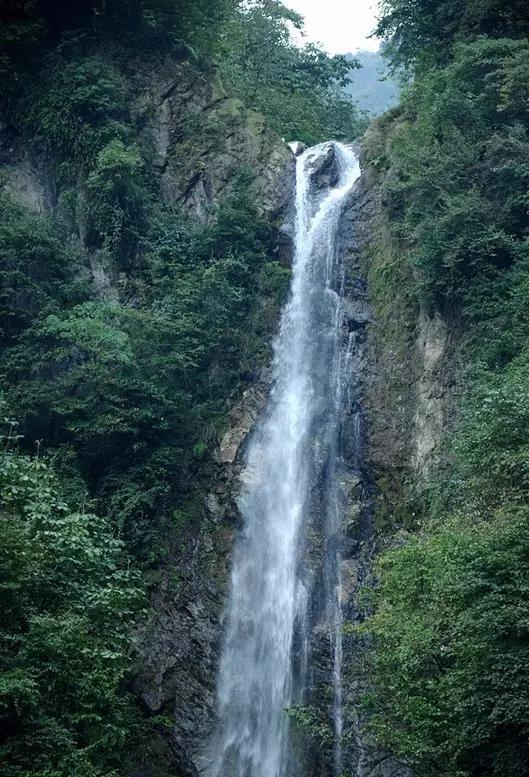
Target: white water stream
(266, 615)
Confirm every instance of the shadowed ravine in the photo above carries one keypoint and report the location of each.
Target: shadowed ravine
(261, 672)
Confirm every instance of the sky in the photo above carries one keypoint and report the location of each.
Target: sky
(339, 25)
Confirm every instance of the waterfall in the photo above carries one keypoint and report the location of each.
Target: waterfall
(264, 654)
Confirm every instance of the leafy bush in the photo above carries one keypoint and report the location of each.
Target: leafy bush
(69, 599)
(37, 272)
(452, 648)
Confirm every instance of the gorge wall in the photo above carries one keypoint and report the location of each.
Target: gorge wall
(401, 377)
(400, 385)
(146, 250)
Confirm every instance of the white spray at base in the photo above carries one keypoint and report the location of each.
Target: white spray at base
(266, 614)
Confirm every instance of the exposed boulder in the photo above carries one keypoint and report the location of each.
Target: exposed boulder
(298, 147)
(324, 168)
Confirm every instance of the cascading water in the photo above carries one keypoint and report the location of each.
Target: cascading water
(263, 659)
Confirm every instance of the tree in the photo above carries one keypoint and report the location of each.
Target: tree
(422, 32)
(69, 599)
(299, 90)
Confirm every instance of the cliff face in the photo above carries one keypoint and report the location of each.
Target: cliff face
(402, 377)
(199, 141)
(412, 353)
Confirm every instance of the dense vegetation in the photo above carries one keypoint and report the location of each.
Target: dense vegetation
(301, 90)
(127, 328)
(68, 595)
(371, 86)
(450, 625)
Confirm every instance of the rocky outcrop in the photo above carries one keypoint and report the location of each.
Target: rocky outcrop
(204, 140)
(430, 419)
(325, 173)
(180, 644)
(242, 417)
(199, 142)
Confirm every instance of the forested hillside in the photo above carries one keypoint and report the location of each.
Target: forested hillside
(451, 615)
(140, 286)
(372, 86)
(146, 236)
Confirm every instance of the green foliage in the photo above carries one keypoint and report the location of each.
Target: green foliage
(157, 25)
(69, 599)
(491, 443)
(138, 392)
(299, 90)
(451, 660)
(20, 29)
(80, 106)
(117, 203)
(422, 33)
(37, 272)
(307, 721)
(457, 192)
(449, 623)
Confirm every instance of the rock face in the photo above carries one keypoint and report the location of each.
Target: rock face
(412, 368)
(204, 138)
(180, 644)
(202, 142)
(393, 429)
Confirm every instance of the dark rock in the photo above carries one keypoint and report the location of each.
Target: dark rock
(324, 168)
(357, 312)
(285, 244)
(298, 147)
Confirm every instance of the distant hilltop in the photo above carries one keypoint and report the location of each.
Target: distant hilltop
(371, 87)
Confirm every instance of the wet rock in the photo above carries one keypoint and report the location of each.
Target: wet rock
(353, 515)
(215, 507)
(349, 483)
(285, 244)
(358, 313)
(298, 147)
(242, 418)
(324, 168)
